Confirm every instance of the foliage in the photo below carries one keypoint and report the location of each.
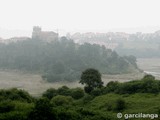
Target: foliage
(64, 90)
(111, 86)
(77, 93)
(92, 79)
(42, 110)
(87, 98)
(120, 104)
(97, 92)
(93, 106)
(6, 106)
(50, 93)
(15, 94)
(64, 114)
(148, 84)
(61, 59)
(61, 100)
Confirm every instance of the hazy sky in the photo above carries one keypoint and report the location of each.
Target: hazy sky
(80, 15)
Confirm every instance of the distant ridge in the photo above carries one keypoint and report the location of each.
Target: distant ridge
(9, 33)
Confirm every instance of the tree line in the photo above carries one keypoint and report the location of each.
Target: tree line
(62, 59)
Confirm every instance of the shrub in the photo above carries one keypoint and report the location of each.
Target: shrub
(16, 94)
(13, 115)
(150, 86)
(42, 110)
(120, 104)
(50, 93)
(64, 114)
(61, 100)
(148, 77)
(87, 98)
(77, 93)
(88, 89)
(6, 106)
(112, 86)
(64, 90)
(96, 92)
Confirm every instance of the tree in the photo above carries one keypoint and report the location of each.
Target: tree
(61, 100)
(42, 110)
(92, 79)
(50, 93)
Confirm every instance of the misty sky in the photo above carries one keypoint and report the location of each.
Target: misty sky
(80, 15)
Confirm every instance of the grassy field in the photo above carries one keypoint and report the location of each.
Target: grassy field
(34, 84)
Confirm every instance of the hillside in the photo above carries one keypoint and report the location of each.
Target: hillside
(74, 104)
(62, 59)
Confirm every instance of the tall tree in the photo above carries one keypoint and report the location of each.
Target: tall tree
(92, 79)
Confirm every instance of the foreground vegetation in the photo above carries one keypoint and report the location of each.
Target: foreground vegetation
(102, 103)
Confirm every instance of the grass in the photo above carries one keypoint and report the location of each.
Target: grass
(34, 84)
(135, 103)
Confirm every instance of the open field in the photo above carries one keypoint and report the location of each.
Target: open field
(34, 84)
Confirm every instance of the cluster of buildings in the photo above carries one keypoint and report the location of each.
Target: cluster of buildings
(47, 36)
(110, 40)
(37, 34)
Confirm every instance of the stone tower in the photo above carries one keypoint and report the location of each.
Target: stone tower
(36, 32)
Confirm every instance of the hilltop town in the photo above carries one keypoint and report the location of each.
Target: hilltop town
(137, 44)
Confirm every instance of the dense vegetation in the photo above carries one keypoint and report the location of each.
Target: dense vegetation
(74, 104)
(62, 59)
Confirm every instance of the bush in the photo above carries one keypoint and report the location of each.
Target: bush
(50, 93)
(148, 84)
(148, 77)
(15, 94)
(88, 89)
(61, 100)
(64, 90)
(77, 93)
(42, 110)
(6, 106)
(64, 114)
(96, 92)
(120, 104)
(87, 98)
(129, 87)
(14, 115)
(112, 86)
